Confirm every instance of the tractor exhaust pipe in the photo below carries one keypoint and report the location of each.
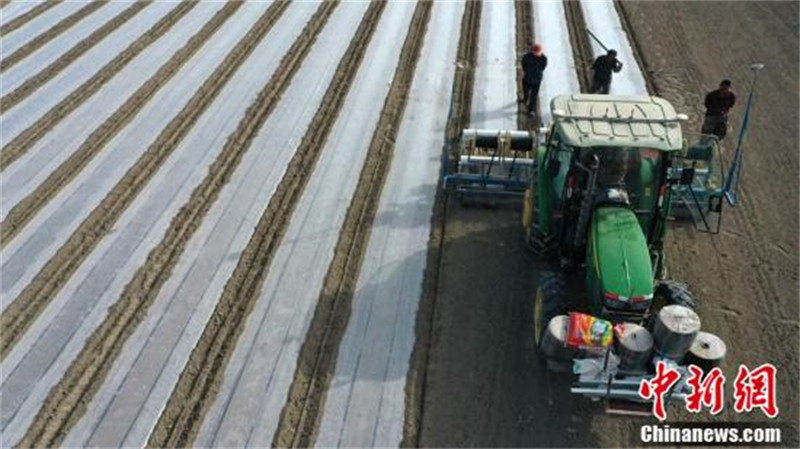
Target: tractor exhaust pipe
(586, 203)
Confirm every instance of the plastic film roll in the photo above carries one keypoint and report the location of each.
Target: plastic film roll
(634, 346)
(554, 341)
(675, 330)
(707, 351)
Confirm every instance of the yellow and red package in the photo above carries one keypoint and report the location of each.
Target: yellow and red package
(588, 332)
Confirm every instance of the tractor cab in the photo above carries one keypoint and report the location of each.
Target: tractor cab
(606, 154)
(609, 169)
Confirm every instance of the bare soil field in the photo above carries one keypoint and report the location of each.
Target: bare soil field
(485, 385)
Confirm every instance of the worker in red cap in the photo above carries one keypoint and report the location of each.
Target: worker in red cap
(533, 64)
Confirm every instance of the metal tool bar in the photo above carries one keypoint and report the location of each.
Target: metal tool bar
(485, 138)
(482, 160)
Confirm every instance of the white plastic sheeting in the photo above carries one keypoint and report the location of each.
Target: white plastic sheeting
(25, 113)
(365, 401)
(17, 9)
(247, 409)
(494, 95)
(22, 177)
(365, 404)
(552, 33)
(127, 407)
(265, 358)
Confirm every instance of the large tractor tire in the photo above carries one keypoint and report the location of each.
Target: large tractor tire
(669, 293)
(551, 299)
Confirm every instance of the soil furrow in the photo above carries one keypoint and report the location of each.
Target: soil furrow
(26, 139)
(581, 47)
(464, 77)
(67, 401)
(4, 3)
(317, 359)
(50, 34)
(458, 120)
(31, 84)
(27, 17)
(28, 207)
(200, 379)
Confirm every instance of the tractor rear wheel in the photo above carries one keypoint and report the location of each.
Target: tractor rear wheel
(550, 301)
(670, 293)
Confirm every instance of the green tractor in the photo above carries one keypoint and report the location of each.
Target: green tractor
(598, 188)
(601, 196)
(606, 178)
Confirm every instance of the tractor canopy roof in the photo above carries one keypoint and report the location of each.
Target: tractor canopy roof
(586, 120)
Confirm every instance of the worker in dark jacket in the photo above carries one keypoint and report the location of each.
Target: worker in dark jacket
(533, 64)
(718, 103)
(604, 66)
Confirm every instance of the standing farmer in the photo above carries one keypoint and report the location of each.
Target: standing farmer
(533, 64)
(603, 68)
(718, 103)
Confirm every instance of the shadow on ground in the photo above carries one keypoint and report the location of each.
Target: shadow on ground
(486, 386)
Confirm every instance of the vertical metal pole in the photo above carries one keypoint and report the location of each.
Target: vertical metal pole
(732, 183)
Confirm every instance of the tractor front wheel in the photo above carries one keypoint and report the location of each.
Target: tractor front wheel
(550, 302)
